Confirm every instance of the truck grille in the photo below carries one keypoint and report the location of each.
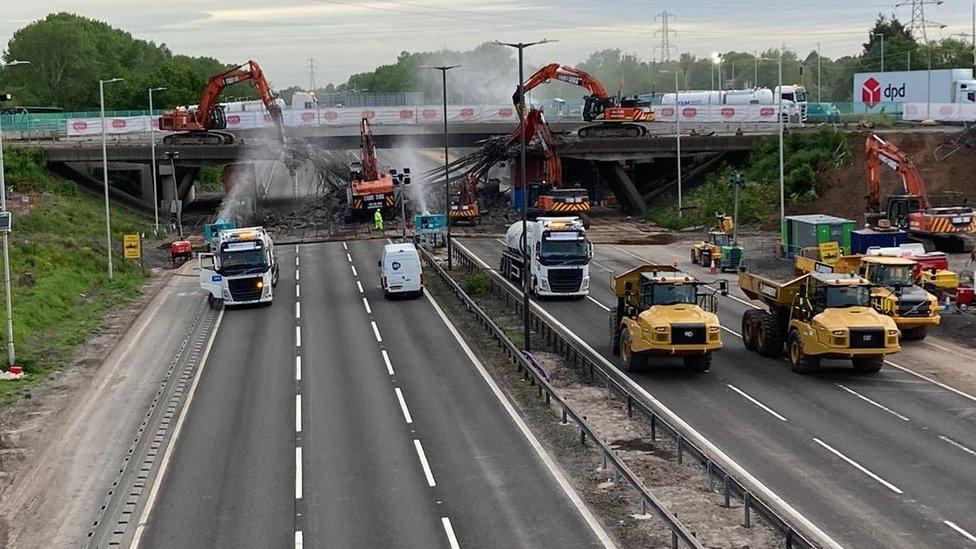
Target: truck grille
(687, 334)
(245, 289)
(867, 338)
(565, 280)
(913, 309)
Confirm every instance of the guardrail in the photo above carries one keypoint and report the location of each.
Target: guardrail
(735, 482)
(529, 369)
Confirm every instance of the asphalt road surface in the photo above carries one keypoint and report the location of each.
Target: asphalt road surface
(337, 418)
(883, 460)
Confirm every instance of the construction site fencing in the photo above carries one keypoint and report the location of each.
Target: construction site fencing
(723, 474)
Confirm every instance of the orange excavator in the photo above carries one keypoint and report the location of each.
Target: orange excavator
(369, 188)
(948, 229)
(201, 125)
(620, 118)
(465, 209)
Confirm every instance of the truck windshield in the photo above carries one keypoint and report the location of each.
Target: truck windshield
(668, 294)
(721, 239)
(891, 275)
(801, 96)
(564, 247)
(847, 296)
(243, 261)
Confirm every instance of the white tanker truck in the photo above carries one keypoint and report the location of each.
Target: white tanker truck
(559, 256)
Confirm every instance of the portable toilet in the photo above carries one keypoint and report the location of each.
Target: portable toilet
(801, 231)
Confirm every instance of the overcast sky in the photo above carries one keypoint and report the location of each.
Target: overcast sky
(348, 36)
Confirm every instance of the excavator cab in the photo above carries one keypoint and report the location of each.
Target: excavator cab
(594, 107)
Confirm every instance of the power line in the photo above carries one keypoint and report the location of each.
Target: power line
(666, 33)
(311, 75)
(918, 22)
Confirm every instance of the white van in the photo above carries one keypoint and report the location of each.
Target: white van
(400, 271)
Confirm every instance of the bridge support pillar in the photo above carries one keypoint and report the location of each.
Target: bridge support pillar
(617, 179)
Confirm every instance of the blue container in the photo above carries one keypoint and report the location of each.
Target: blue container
(430, 223)
(862, 239)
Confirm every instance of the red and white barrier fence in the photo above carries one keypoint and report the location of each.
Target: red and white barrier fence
(943, 112)
(716, 113)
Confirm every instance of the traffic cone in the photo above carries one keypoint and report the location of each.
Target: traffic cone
(712, 269)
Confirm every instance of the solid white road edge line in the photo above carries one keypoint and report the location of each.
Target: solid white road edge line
(366, 305)
(756, 402)
(544, 456)
(386, 359)
(449, 530)
(700, 439)
(955, 527)
(376, 332)
(423, 463)
(164, 465)
(868, 400)
(298, 472)
(298, 368)
(858, 466)
(298, 413)
(403, 405)
(957, 445)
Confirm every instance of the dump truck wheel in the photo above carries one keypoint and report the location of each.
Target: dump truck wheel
(769, 339)
(694, 258)
(750, 324)
(698, 363)
(868, 365)
(614, 327)
(914, 334)
(632, 361)
(800, 362)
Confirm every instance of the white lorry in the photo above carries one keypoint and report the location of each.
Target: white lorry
(243, 269)
(559, 256)
(937, 86)
(794, 99)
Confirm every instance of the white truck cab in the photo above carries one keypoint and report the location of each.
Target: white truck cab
(400, 271)
(559, 256)
(243, 270)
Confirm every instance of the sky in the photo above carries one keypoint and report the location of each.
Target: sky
(349, 36)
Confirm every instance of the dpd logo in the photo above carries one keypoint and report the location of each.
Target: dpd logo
(871, 92)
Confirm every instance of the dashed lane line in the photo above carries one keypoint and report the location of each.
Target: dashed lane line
(354, 272)
(423, 463)
(449, 530)
(858, 466)
(376, 331)
(298, 336)
(386, 359)
(298, 368)
(403, 406)
(298, 413)
(298, 472)
(366, 306)
(956, 527)
(756, 402)
(359, 285)
(872, 402)
(969, 451)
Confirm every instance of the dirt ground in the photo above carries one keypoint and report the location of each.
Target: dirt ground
(683, 488)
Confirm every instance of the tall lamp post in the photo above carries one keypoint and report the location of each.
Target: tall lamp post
(108, 217)
(11, 356)
(520, 46)
(878, 34)
(779, 108)
(677, 133)
(818, 73)
(152, 149)
(447, 177)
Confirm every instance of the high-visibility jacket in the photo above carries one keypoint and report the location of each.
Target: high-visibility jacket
(378, 220)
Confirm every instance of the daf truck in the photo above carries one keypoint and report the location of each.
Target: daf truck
(559, 255)
(242, 270)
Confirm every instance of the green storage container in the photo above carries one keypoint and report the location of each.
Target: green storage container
(801, 231)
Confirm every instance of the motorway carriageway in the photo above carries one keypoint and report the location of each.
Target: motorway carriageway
(337, 418)
(884, 460)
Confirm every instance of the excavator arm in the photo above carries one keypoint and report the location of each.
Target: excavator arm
(534, 125)
(371, 164)
(879, 151)
(571, 75)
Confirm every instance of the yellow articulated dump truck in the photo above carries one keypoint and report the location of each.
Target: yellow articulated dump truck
(894, 291)
(662, 311)
(817, 315)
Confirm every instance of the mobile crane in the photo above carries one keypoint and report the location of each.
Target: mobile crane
(201, 125)
(947, 229)
(620, 118)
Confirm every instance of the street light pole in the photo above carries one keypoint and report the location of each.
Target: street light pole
(527, 333)
(11, 355)
(108, 217)
(152, 148)
(172, 156)
(882, 49)
(677, 134)
(779, 101)
(819, 100)
(447, 176)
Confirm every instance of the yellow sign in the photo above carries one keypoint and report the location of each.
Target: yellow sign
(132, 246)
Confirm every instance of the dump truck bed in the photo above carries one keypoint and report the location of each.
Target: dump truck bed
(771, 292)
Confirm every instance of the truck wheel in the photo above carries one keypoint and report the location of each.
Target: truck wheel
(214, 303)
(914, 334)
(632, 361)
(694, 258)
(698, 363)
(800, 362)
(750, 323)
(769, 338)
(614, 327)
(868, 365)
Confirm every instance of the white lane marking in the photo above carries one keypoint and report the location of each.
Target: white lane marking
(957, 445)
(298, 413)
(423, 463)
(722, 457)
(296, 248)
(449, 530)
(403, 405)
(298, 275)
(164, 465)
(366, 304)
(298, 310)
(298, 336)
(544, 456)
(298, 291)
(955, 527)
(349, 258)
(360, 286)
(756, 402)
(604, 267)
(376, 331)
(868, 400)
(386, 359)
(354, 273)
(598, 304)
(930, 380)
(296, 261)
(298, 368)
(299, 541)
(858, 466)
(731, 331)
(298, 472)
(344, 247)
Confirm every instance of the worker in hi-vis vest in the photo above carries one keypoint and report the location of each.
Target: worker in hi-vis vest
(378, 220)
